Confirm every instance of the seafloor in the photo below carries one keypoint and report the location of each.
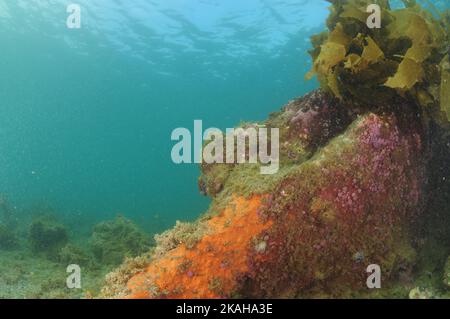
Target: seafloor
(36, 251)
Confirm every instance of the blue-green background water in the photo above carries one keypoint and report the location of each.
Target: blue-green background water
(86, 115)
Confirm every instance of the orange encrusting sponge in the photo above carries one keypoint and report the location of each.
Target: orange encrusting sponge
(212, 268)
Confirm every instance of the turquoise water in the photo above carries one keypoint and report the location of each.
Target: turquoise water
(86, 114)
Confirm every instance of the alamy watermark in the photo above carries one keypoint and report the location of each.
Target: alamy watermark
(374, 279)
(237, 146)
(74, 19)
(374, 19)
(73, 281)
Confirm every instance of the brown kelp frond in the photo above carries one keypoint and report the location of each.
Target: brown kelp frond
(407, 56)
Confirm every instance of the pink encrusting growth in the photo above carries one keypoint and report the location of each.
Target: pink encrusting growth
(316, 118)
(343, 211)
(305, 120)
(383, 140)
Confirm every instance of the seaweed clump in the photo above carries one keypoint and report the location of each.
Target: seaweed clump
(8, 239)
(72, 254)
(47, 236)
(447, 273)
(407, 56)
(114, 240)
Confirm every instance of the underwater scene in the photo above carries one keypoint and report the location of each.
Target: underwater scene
(222, 149)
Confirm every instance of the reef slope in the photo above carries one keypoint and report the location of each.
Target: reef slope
(348, 194)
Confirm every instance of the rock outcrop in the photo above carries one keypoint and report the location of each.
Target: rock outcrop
(348, 193)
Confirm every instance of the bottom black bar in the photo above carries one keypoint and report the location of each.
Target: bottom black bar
(224, 308)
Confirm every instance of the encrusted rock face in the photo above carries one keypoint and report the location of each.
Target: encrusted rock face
(348, 207)
(345, 197)
(315, 118)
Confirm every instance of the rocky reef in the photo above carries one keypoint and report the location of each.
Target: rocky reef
(311, 229)
(363, 180)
